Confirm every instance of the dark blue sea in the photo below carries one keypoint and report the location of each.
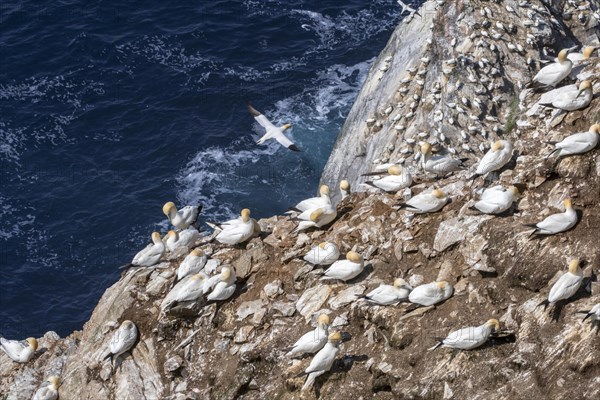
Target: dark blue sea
(108, 109)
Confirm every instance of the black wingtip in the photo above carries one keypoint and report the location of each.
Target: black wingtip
(544, 303)
(294, 148)
(126, 266)
(294, 209)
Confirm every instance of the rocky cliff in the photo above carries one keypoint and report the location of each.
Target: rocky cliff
(455, 77)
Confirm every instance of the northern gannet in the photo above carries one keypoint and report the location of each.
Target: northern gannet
(186, 238)
(469, 338)
(572, 98)
(398, 178)
(584, 55)
(181, 219)
(594, 313)
(189, 289)
(312, 341)
(191, 264)
(552, 74)
(122, 340)
(318, 218)
(211, 282)
(323, 254)
(426, 202)
(431, 293)
(566, 286)
(323, 360)
(313, 202)
(20, 351)
(497, 157)
(556, 223)
(346, 269)
(578, 143)
(150, 255)
(225, 288)
(387, 295)
(344, 189)
(236, 230)
(496, 200)
(439, 165)
(48, 390)
(273, 132)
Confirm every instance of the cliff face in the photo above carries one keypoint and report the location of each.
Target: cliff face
(236, 349)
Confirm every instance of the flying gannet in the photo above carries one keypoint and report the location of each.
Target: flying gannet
(387, 295)
(182, 219)
(426, 202)
(323, 360)
(469, 338)
(497, 157)
(552, 74)
(566, 286)
(571, 98)
(191, 264)
(496, 200)
(431, 293)
(273, 132)
(439, 164)
(150, 255)
(578, 143)
(20, 351)
(122, 340)
(236, 230)
(324, 254)
(556, 223)
(346, 269)
(312, 341)
(397, 178)
(48, 390)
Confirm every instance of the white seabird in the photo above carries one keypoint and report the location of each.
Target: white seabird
(273, 132)
(225, 288)
(496, 200)
(191, 288)
(313, 202)
(318, 218)
(497, 157)
(469, 338)
(323, 254)
(431, 293)
(191, 264)
(212, 282)
(187, 238)
(312, 341)
(594, 313)
(387, 295)
(556, 223)
(398, 178)
(122, 340)
(552, 74)
(426, 202)
(181, 219)
(566, 286)
(48, 390)
(149, 255)
(236, 230)
(344, 189)
(20, 351)
(323, 360)
(585, 54)
(438, 164)
(578, 143)
(346, 269)
(572, 98)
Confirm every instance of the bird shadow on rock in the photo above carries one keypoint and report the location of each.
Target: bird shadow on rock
(363, 275)
(342, 365)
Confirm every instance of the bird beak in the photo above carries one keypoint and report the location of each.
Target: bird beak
(579, 93)
(570, 49)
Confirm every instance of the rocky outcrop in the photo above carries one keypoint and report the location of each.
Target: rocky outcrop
(237, 349)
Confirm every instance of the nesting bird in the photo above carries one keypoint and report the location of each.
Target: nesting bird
(186, 238)
(578, 143)
(323, 360)
(496, 200)
(566, 286)
(346, 269)
(397, 178)
(226, 286)
(426, 202)
(48, 390)
(122, 340)
(272, 131)
(344, 189)
(317, 218)
(553, 74)
(312, 341)
(150, 255)
(469, 338)
(20, 351)
(439, 164)
(556, 223)
(237, 230)
(430, 294)
(497, 157)
(585, 54)
(191, 264)
(181, 219)
(313, 202)
(387, 295)
(190, 288)
(572, 98)
(323, 254)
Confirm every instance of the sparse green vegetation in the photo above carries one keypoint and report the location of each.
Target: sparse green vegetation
(511, 119)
